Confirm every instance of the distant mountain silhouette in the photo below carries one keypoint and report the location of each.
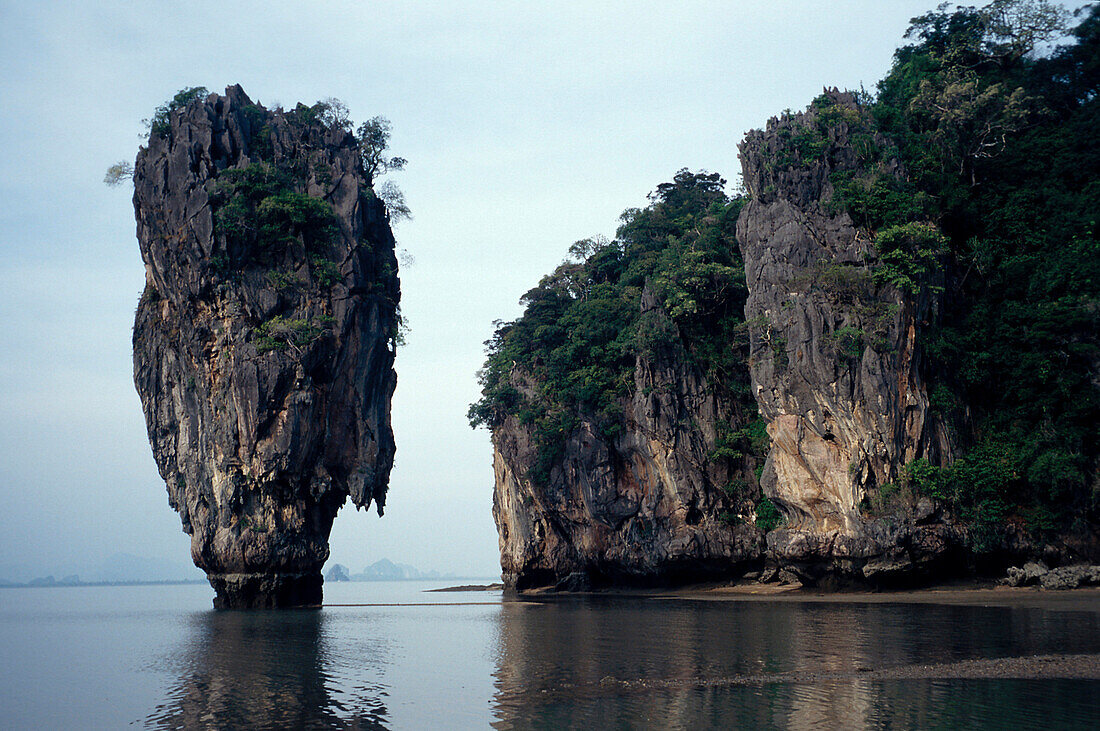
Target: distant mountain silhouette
(120, 568)
(338, 572)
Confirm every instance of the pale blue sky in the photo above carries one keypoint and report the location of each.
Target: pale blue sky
(526, 125)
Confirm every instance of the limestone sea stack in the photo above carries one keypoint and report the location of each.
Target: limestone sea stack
(264, 340)
(714, 458)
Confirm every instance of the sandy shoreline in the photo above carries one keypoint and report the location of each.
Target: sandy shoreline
(1084, 599)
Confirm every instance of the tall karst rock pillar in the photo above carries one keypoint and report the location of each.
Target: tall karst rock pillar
(835, 354)
(264, 340)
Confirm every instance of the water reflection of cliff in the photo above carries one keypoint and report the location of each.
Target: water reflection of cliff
(264, 670)
(673, 664)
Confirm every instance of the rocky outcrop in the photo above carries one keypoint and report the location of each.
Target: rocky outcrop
(1063, 577)
(845, 271)
(264, 339)
(835, 354)
(643, 506)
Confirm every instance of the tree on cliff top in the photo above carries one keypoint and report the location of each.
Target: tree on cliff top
(161, 122)
(373, 137)
(158, 125)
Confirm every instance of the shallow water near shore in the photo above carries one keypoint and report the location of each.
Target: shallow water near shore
(392, 655)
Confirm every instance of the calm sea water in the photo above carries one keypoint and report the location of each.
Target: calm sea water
(158, 657)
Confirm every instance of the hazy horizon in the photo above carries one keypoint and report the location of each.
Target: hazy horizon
(527, 127)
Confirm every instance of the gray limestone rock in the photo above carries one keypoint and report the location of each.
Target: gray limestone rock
(1031, 574)
(264, 340)
(787, 578)
(641, 507)
(1014, 576)
(885, 568)
(1033, 571)
(1070, 577)
(835, 354)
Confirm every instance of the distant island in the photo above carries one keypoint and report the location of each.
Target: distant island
(127, 570)
(75, 580)
(383, 570)
(120, 569)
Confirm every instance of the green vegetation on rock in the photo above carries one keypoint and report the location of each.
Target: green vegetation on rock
(281, 332)
(259, 214)
(574, 350)
(974, 175)
(992, 128)
(999, 144)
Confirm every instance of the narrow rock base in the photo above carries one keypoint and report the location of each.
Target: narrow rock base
(266, 591)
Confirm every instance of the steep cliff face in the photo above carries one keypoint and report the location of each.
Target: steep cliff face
(835, 351)
(264, 340)
(643, 506)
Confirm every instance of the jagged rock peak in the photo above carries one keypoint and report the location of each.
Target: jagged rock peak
(785, 159)
(264, 340)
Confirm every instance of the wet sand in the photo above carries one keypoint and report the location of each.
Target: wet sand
(1070, 600)
(1047, 667)
(471, 587)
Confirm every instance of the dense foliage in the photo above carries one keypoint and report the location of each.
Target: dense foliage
(258, 213)
(999, 143)
(373, 139)
(263, 219)
(573, 352)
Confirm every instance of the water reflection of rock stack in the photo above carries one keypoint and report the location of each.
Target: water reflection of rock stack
(745, 664)
(250, 670)
(831, 641)
(666, 664)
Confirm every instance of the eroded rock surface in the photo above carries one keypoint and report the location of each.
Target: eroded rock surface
(835, 354)
(264, 340)
(645, 506)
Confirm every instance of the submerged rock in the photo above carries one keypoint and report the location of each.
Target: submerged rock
(264, 340)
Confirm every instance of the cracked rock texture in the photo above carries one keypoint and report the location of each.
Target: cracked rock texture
(642, 507)
(835, 361)
(265, 372)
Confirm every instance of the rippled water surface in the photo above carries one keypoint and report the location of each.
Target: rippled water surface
(397, 657)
